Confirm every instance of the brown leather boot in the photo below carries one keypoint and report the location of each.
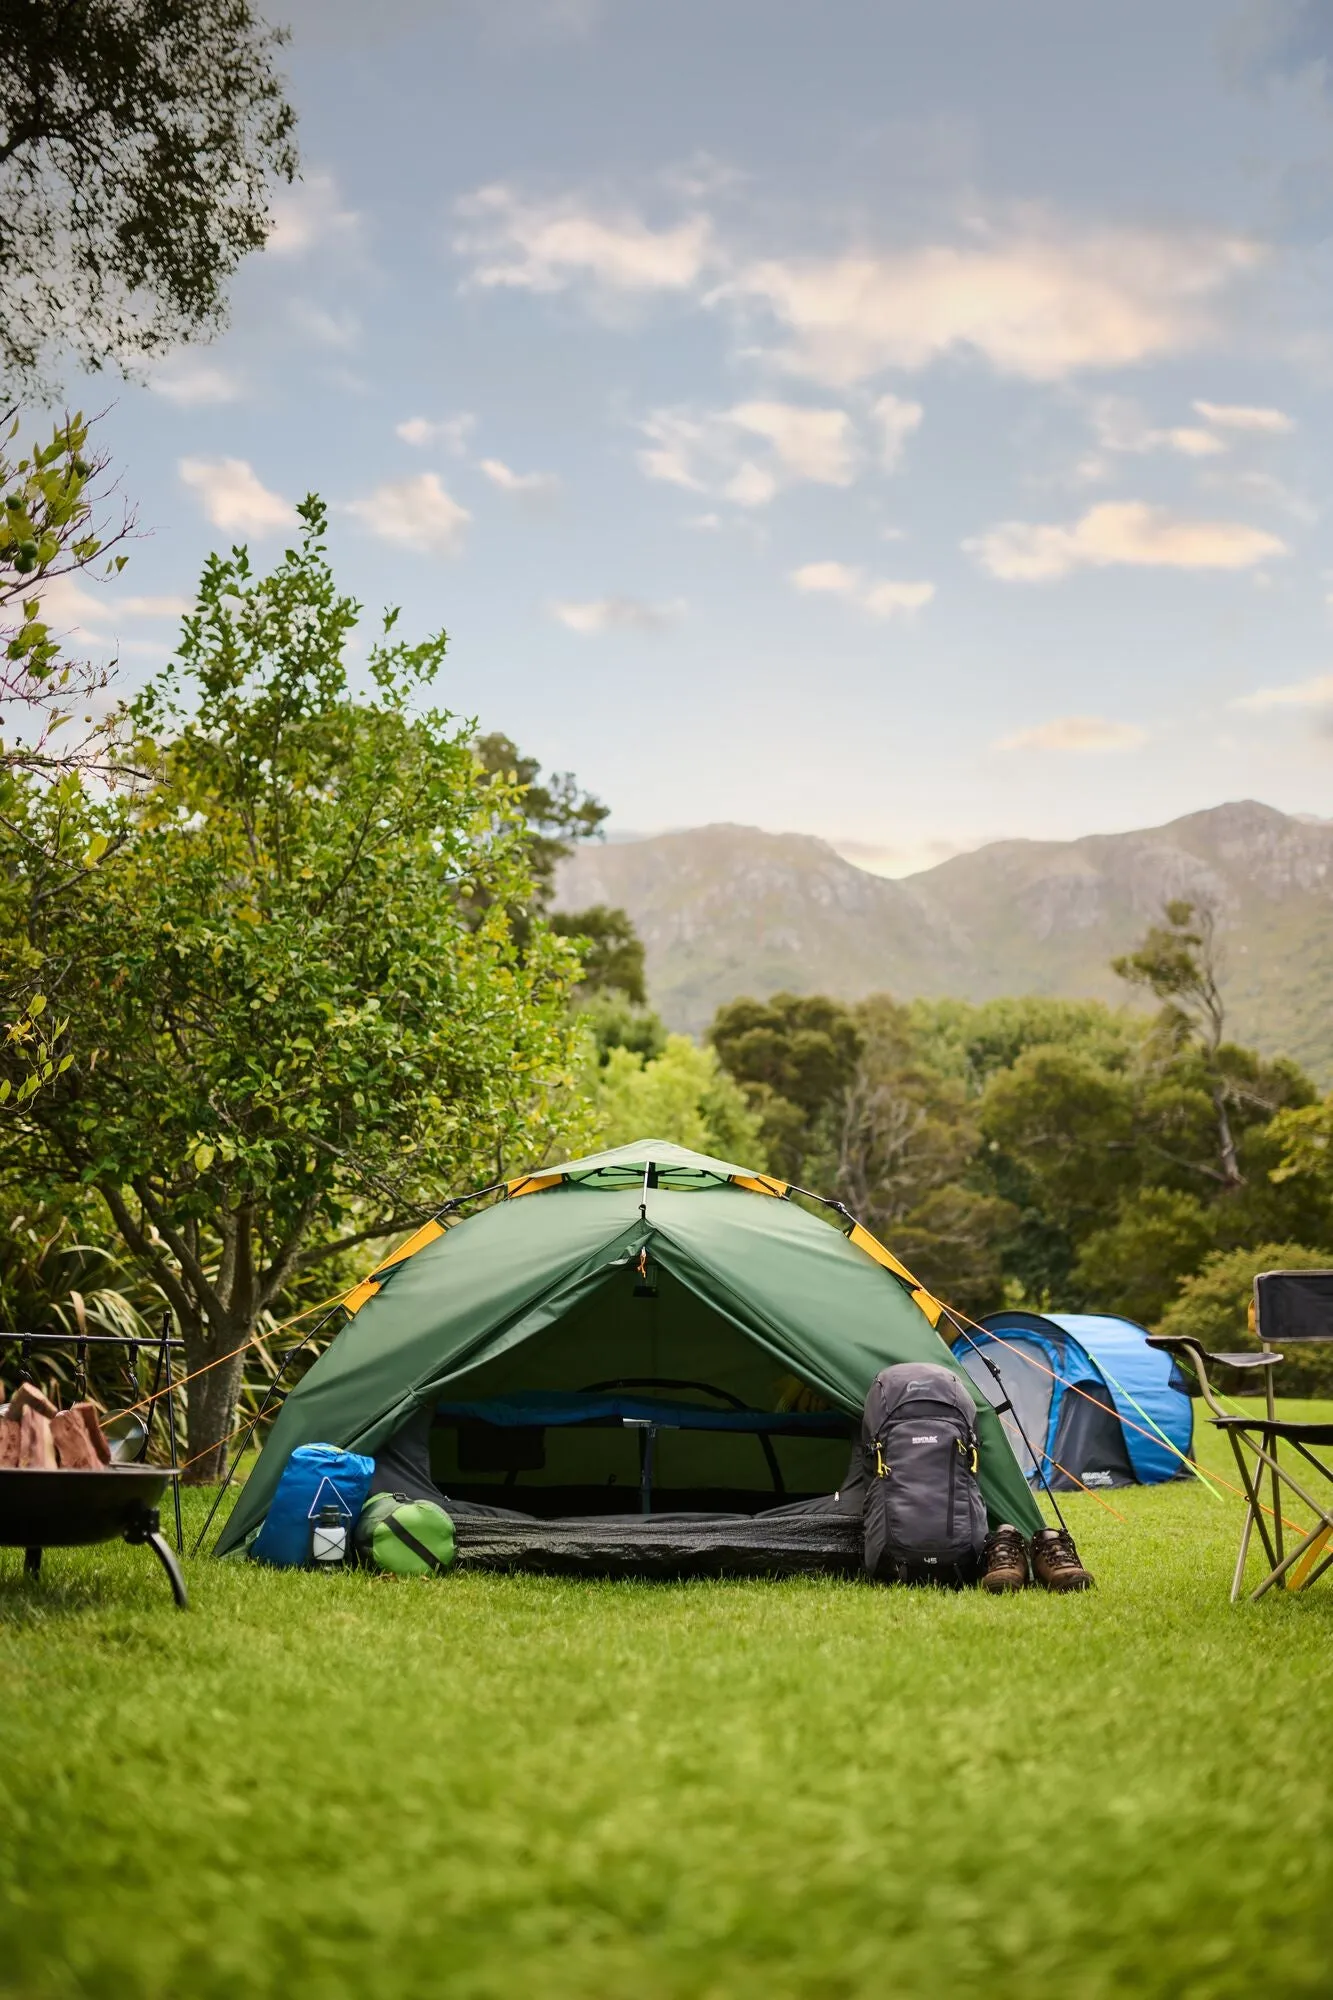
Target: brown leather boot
(1004, 1560)
(1055, 1561)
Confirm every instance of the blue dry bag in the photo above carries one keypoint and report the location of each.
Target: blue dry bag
(284, 1539)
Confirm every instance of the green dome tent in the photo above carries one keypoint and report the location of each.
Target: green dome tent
(648, 1271)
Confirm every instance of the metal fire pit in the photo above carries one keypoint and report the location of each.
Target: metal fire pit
(65, 1510)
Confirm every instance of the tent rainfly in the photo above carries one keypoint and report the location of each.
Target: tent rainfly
(649, 1290)
(1103, 1407)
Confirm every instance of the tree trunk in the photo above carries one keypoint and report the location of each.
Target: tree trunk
(211, 1400)
(1226, 1144)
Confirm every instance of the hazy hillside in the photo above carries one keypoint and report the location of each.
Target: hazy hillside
(727, 909)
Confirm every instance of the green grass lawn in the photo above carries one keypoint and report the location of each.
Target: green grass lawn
(324, 1786)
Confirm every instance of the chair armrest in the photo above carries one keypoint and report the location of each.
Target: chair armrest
(1179, 1343)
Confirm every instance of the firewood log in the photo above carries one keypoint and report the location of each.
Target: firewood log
(28, 1397)
(75, 1451)
(9, 1442)
(37, 1450)
(88, 1417)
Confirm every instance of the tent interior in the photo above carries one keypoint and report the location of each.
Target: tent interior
(645, 1398)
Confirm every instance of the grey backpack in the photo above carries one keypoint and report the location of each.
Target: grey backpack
(924, 1517)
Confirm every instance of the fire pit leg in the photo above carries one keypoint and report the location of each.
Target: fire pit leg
(32, 1561)
(146, 1530)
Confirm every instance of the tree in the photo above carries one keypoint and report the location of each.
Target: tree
(1179, 961)
(612, 950)
(558, 812)
(290, 1033)
(794, 1056)
(684, 1095)
(1213, 1307)
(138, 142)
(49, 494)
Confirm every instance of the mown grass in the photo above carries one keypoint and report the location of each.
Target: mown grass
(328, 1786)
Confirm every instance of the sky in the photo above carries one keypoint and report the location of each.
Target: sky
(900, 423)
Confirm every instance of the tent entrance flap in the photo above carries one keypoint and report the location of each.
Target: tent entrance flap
(632, 1399)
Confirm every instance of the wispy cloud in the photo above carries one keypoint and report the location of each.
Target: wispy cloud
(530, 485)
(1040, 300)
(1121, 426)
(234, 498)
(543, 246)
(1080, 735)
(1118, 532)
(749, 452)
(450, 432)
(310, 216)
(417, 513)
(1245, 417)
(590, 617)
(193, 383)
(338, 330)
(882, 597)
(1314, 693)
(896, 421)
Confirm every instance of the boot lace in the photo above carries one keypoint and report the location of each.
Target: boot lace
(1005, 1548)
(1059, 1552)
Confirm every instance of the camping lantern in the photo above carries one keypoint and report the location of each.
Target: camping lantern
(645, 1286)
(329, 1519)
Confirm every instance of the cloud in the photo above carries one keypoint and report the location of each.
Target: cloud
(1038, 301)
(451, 432)
(340, 331)
(191, 383)
(540, 246)
(84, 614)
(1120, 426)
(882, 598)
(1119, 531)
(416, 512)
(896, 420)
(593, 616)
(310, 216)
(535, 485)
(751, 451)
(1314, 693)
(1080, 734)
(233, 498)
(1244, 417)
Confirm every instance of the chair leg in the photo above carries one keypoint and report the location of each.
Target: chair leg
(1289, 1561)
(1245, 1533)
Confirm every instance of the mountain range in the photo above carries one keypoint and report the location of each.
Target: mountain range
(725, 910)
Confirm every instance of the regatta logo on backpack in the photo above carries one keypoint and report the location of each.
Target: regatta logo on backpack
(924, 1516)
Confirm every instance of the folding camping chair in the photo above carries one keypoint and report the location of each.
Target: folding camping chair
(1290, 1307)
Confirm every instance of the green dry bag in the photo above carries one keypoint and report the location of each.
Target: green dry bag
(405, 1537)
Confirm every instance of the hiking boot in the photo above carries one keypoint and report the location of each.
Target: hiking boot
(1055, 1562)
(1004, 1560)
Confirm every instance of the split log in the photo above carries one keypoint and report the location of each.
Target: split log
(28, 1397)
(9, 1443)
(88, 1417)
(75, 1450)
(37, 1451)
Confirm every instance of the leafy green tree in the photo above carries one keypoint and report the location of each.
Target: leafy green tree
(138, 142)
(615, 1023)
(974, 1042)
(557, 811)
(290, 1033)
(49, 494)
(1213, 1306)
(684, 1095)
(794, 1057)
(1136, 1263)
(611, 947)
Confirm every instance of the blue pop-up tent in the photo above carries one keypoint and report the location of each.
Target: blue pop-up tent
(1098, 1405)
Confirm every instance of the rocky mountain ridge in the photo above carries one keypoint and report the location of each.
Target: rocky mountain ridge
(729, 909)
